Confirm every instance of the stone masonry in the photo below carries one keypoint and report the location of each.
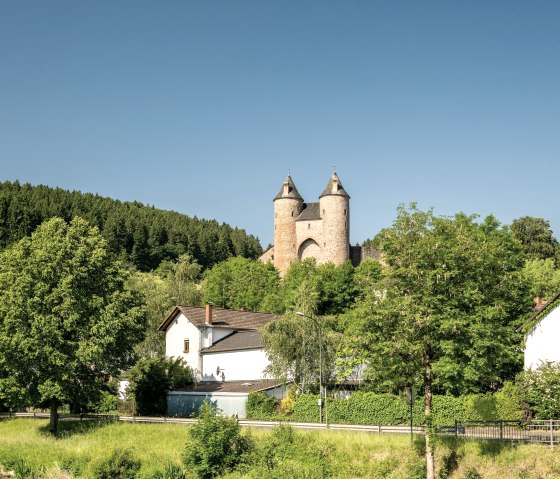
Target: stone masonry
(310, 230)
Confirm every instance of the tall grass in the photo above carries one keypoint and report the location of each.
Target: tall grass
(27, 448)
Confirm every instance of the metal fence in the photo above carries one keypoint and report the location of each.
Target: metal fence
(538, 431)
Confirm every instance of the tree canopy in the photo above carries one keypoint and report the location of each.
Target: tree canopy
(450, 298)
(140, 234)
(536, 238)
(66, 320)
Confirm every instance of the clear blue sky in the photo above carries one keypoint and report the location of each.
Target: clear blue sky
(203, 107)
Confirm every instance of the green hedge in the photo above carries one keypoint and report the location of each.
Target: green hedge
(388, 409)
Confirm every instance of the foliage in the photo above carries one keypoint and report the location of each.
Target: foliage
(543, 277)
(261, 404)
(452, 296)
(508, 402)
(287, 454)
(298, 350)
(536, 237)
(66, 320)
(120, 464)
(216, 444)
(171, 284)
(239, 283)
(324, 289)
(540, 388)
(135, 232)
(150, 379)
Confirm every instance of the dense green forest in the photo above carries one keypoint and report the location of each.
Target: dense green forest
(141, 234)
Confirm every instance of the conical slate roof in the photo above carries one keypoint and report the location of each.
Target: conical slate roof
(288, 190)
(334, 187)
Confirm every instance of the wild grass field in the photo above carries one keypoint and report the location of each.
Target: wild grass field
(27, 449)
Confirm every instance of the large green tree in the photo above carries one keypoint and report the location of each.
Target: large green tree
(241, 283)
(66, 320)
(536, 237)
(451, 296)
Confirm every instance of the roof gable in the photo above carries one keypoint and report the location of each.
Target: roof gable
(225, 318)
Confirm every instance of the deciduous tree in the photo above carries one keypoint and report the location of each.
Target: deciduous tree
(66, 319)
(452, 296)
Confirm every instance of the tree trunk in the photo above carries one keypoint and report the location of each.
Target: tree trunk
(53, 424)
(428, 380)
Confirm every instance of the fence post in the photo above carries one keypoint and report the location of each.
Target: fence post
(501, 430)
(551, 433)
(456, 428)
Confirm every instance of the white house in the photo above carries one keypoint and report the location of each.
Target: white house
(225, 351)
(543, 335)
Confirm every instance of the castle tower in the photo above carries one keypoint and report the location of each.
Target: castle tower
(334, 204)
(288, 204)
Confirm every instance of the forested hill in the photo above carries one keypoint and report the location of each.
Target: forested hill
(142, 234)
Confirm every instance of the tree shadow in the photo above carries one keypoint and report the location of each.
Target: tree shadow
(74, 428)
(494, 448)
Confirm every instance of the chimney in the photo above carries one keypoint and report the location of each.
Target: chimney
(208, 319)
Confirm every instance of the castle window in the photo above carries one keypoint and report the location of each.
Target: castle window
(186, 346)
(323, 211)
(308, 226)
(344, 211)
(345, 224)
(292, 214)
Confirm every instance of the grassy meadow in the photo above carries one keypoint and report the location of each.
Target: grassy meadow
(28, 449)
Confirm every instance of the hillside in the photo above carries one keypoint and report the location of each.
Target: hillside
(141, 234)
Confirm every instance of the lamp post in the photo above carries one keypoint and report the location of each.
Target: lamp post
(316, 323)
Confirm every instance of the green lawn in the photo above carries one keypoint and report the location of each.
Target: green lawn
(330, 454)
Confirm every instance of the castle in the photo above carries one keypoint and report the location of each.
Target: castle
(312, 230)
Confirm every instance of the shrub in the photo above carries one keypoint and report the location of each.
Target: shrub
(150, 379)
(540, 388)
(508, 402)
(216, 444)
(121, 464)
(259, 405)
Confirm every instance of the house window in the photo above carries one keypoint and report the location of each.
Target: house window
(186, 346)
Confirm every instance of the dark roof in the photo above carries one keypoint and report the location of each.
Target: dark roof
(311, 212)
(292, 190)
(538, 312)
(226, 318)
(246, 386)
(235, 342)
(334, 187)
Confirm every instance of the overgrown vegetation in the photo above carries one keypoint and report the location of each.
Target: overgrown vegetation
(281, 453)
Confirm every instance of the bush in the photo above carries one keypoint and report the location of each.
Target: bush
(540, 389)
(121, 464)
(389, 409)
(216, 444)
(150, 379)
(259, 405)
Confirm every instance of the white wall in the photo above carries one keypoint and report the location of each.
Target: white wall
(179, 330)
(543, 340)
(237, 365)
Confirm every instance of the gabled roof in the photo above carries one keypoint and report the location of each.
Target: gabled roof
(334, 187)
(538, 312)
(237, 341)
(225, 318)
(311, 212)
(291, 192)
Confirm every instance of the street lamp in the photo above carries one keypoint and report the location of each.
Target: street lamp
(316, 323)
